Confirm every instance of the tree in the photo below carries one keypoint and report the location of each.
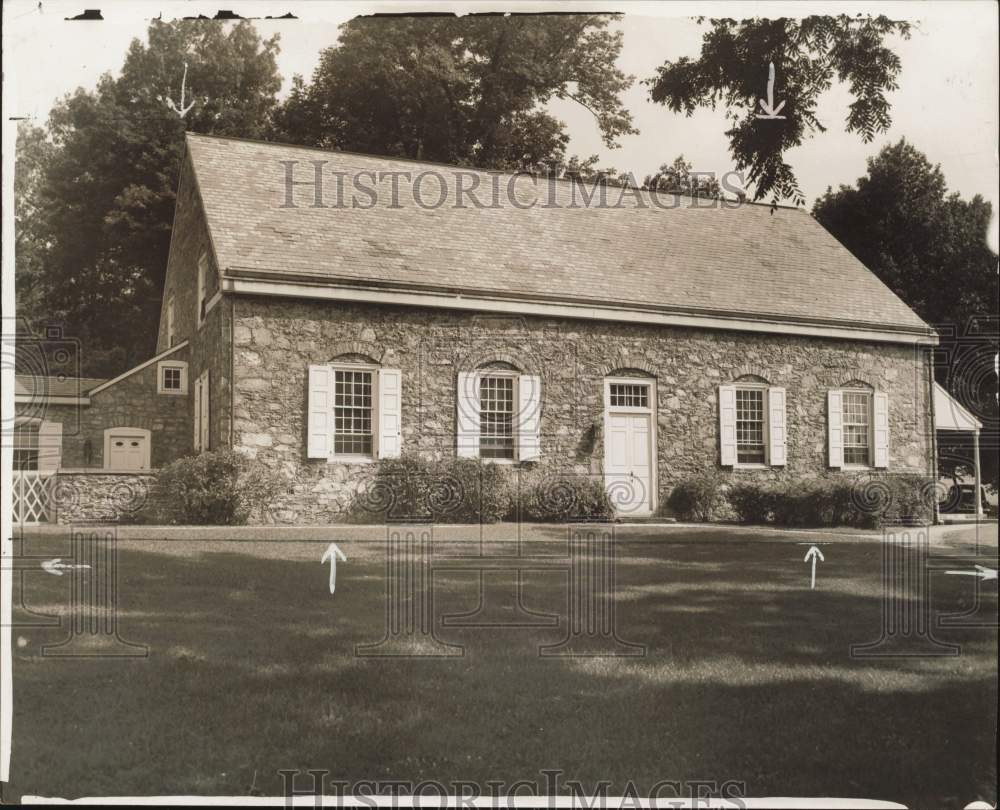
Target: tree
(32, 153)
(678, 178)
(808, 54)
(930, 247)
(108, 188)
(465, 90)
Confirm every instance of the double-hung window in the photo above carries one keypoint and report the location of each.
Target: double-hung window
(26, 446)
(752, 425)
(203, 295)
(857, 428)
(497, 395)
(170, 322)
(352, 412)
(750, 431)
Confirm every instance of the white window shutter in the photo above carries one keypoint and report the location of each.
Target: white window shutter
(390, 412)
(881, 429)
(205, 412)
(319, 412)
(49, 446)
(727, 425)
(835, 427)
(529, 394)
(777, 427)
(196, 404)
(467, 422)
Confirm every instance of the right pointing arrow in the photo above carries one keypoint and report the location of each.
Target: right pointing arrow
(812, 554)
(981, 571)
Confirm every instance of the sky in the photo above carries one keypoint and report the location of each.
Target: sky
(946, 105)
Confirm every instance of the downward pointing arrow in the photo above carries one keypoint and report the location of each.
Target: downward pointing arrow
(812, 554)
(771, 112)
(331, 554)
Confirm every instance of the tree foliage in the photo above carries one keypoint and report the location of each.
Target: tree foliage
(808, 55)
(465, 90)
(930, 247)
(33, 152)
(679, 177)
(110, 175)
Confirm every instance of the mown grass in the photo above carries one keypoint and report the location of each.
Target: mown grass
(747, 676)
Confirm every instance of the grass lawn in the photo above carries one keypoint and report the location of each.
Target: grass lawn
(747, 676)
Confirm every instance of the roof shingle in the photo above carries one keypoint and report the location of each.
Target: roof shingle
(694, 256)
(54, 386)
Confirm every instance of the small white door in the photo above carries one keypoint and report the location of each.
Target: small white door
(127, 452)
(627, 463)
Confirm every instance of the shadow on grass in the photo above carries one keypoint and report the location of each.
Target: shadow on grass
(747, 677)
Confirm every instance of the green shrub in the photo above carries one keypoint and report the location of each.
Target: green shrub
(751, 502)
(879, 500)
(566, 497)
(217, 488)
(866, 502)
(457, 490)
(696, 498)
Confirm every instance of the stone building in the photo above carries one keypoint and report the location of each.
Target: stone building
(326, 310)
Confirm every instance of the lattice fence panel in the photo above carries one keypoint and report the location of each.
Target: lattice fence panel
(31, 496)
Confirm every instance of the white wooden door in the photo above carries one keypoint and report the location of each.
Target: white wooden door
(127, 452)
(627, 463)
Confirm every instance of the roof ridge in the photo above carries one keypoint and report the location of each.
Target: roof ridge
(503, 172)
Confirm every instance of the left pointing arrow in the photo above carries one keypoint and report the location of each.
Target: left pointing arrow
(57, 566)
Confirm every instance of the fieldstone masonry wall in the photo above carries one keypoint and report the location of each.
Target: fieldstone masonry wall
(209, 343)
(133, 402)
(275, 340)
(106, 497)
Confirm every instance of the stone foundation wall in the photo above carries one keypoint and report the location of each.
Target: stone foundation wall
(105, 497)
(275, 340)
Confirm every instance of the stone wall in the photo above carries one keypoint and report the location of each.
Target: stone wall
(131, 402)
(105, 497)
(209, 343)
(276, 339)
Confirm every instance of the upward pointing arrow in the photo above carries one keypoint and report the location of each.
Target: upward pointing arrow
(812, 554)
(331, 554)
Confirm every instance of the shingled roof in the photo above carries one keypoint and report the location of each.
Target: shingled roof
(693, 257)
(41, 387)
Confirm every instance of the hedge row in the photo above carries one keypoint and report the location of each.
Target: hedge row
(865, 501)
(469, 491)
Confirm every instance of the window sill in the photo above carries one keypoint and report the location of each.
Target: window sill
(173, 393)
(751, 466)
(351, 460)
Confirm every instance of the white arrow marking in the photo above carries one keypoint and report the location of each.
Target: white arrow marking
(331, 554)
(57, 566)
(180, 109)
(812, 554)
(768, 106)
(981, 572)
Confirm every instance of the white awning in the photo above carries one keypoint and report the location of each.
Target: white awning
(950, 415)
